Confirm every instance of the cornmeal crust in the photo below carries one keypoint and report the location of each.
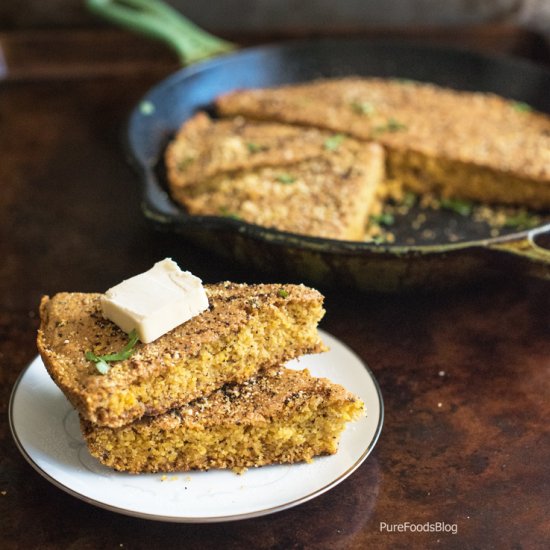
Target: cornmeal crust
(246, 329)
(288, 416)
(294, 179)
(476, 146)
(204, 148)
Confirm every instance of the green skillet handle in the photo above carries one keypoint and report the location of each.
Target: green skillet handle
(156, 19)
(537, 257)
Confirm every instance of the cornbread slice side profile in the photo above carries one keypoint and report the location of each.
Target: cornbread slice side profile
(204, 148)
(470, 145)
(286, 417)
(246, 329)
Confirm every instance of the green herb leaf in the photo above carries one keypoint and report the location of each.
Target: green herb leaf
(147, 108)
(255, 147)
(379, 239)
(102, 361)
(362, 107)
(395, 125)
(285, 178)
(409, 199)
(392, 125)
(385, 218)
(102, 366)
(464, 208)
(522, 107)
(184, 163)
(224, 211)
(333, 142)
(282, 293)
(522, 219)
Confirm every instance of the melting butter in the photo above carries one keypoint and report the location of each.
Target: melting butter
(155, 302)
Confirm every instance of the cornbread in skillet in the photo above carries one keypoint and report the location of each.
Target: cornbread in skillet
(303, 181)
(246, 329)
(476, 146)
(204, 148)
(286, 417)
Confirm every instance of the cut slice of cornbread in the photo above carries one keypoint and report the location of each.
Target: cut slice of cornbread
(298, 180)
(285, 417)
(476, 146)
(322, 197)
(204, 148)
(246, 329)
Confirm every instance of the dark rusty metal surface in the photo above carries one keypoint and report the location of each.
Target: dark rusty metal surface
(465, 375)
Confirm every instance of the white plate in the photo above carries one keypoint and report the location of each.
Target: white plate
(46, 430)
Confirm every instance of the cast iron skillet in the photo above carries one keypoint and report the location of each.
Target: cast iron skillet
(363, 265)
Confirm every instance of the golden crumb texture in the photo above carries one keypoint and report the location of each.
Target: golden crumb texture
(470, 145)
(301, 180)
(284, 416)
(247, 329)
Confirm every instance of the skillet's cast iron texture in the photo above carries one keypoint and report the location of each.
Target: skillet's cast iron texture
(320, 261)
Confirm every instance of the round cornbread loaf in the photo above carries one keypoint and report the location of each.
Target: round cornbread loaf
(469, 145)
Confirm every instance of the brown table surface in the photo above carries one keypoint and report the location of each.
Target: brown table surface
(464, 374)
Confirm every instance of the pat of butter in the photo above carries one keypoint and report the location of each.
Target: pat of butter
(156, 301)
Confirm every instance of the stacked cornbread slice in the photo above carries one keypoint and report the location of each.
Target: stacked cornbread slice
(285, 416)
(210, 393)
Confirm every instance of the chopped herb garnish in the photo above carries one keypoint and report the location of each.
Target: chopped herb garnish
(102, 366)
(409, 199)
(146, 108)
(285, 178)
(395, 125)
(405, 81)
(255, 147)
(333, 142)
(224, 211)
(362, 107)
(184, 163)
(378, 239)
(102, 361)
(522, 219)
(464, 208)
(392, 125)
(385, 218)
(282, 293)
(522, 107)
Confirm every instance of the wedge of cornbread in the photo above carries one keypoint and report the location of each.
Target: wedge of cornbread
(245, 330)
(475, 146)
(293, 179)
(285, 417)
(327, 197)
(204, 148)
